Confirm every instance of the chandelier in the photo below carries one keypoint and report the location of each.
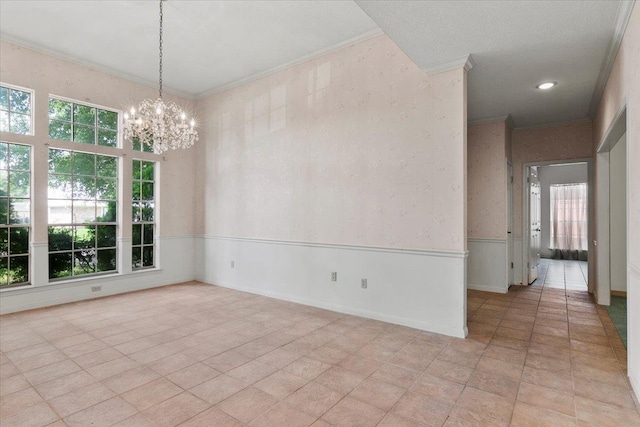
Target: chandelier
(160, 125)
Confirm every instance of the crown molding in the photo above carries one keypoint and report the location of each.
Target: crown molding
(554, 124)
(318, 53)
(90, 64)
(625, 7)
(508, 120)
(467, 62)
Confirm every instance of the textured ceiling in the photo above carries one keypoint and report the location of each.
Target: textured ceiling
(515, 45)
(211, 44)
(207, 44)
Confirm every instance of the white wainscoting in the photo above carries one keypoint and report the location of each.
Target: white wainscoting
(633, 326)
(420, 289)
(175, 265)
(517, 261)
(487, 265)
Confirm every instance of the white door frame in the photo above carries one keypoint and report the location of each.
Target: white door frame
(526, 227)
(617, 128)
(510, 272)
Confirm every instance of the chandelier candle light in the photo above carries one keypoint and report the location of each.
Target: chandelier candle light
(159, 125)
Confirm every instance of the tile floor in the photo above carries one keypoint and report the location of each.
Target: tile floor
(562, 274)
(199, 355)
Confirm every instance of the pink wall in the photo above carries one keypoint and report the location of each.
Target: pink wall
(358, 147)
(487, 180)
(565, 142)
(49, 75)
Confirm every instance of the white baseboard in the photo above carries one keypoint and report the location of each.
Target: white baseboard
(487, 265)
(419, 289)
(175, 266)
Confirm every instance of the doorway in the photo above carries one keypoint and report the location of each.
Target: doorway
(556, 232)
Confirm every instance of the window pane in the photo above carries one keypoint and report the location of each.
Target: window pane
(19, 157)
(84, 115)
(137, 169)
(4, 121)
(60, 130)
(60, 186)
(84, 237)
(19, 266)
(4, 155)
(60, 161)
(84, 187)
(4, 271)
(84, 134)
(147, 148)
(4, 183)
(60, 212)
(84, 262)
(106, 189)
(147, 211)
(136, 257)
(108, 119)
(60, 265)
(19, 240)
(135, 144)
(106, 236)
(4, 98)
(147, 171)
(107, 138)
(20, 123)
(148, 234)
(106, 211)
(4, 212)
(59, 110)
(107, 166)
(20, 102)
(84, 211)
(84, 164)
(20, 210)
(60, 239)
(136, 216)
(147, 191)
(20, 184)
(147, 256)
(4, 241)
(136, 191)
(106, 260)
(136, 237)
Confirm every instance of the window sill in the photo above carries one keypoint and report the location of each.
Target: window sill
(68, 283)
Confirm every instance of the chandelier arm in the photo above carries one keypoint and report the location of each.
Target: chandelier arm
(160, 48)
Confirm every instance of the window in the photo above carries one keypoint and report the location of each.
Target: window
(15, 110)
(69, 121)
(143, 214)
(15, 209)
(146, 148)
(83, 199)
(568, 213)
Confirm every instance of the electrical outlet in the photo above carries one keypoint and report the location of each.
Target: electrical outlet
(363, 283)
(96, 288)
(233, 264)
(334, 276)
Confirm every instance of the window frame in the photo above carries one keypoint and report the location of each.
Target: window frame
(95, 223)
(74, 102)
(32, 92)
(29, 226)
(142, 222)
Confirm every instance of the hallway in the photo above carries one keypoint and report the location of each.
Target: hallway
(562, 274)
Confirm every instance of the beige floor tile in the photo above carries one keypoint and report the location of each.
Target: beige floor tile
(377, 393)
(12, 384)
(97, 357)
(247, 404)
(113, 367)
(605, 393)
(281, 384)
(494, 383)
(598, 413)
(341, 380)
(192, 375)
(40, 414)
(16, 402)
(422, 409)
(351, 412)
(283, 414)
(212, 417)
(525, 415)
(486, 403)
(394, 420)
(217, 389)
(252, 372)
(64, 385)
(555, 400)
(131, 379)
(171, 364)
(307, 368)
(450, 371)
(314, 399)
(360, 364)
(106, 413)
(462, 417)
(438, 388)
(557, 380)
(51, 372)
(175, 410)
(80, 398)
(151, 393)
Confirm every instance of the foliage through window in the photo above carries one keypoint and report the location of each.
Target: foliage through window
(143, 214)
(83, 197)
(15, 110)
(15, 209)
(69, 121)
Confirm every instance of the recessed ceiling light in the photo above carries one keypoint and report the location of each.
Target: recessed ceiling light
(546, 85)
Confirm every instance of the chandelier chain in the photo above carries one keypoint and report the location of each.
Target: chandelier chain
(160, 45)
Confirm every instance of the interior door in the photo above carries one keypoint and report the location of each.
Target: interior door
(510, 279)
(534, 220)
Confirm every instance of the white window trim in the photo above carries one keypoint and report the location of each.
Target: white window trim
(33, 106)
